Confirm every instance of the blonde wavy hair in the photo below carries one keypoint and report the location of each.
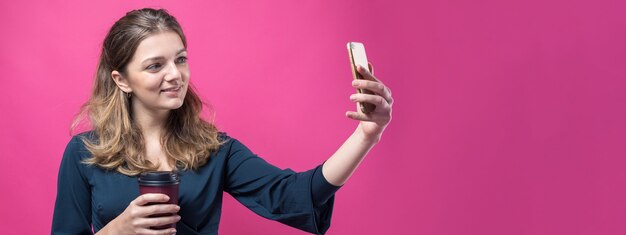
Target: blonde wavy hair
(119, 145)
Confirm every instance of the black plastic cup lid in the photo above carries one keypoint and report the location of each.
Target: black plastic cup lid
(158, 178)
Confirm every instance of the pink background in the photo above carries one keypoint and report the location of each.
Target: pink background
(510, 116)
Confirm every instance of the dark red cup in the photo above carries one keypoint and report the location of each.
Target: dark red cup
(165, 182)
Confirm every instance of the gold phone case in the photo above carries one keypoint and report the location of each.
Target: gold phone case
(356, 51)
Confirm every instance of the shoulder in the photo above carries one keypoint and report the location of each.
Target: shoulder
(76, 149)
(222, 136)
(90, 135)
(73, 161)
(231, 148)
(229, 143)
(226, 141)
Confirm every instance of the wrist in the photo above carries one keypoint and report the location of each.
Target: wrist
(109, 228)
(365, 138)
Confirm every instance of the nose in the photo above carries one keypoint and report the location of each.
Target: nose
(173, 73)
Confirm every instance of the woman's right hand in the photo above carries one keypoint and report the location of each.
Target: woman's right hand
(136, 218)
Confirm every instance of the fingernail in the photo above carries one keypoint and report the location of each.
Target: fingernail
(177, 207)
(355, 83)
(363, 69)
(166, 198)
(353, 97)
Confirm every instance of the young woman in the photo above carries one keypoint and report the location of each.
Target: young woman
(146, 117)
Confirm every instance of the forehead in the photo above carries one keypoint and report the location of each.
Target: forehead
(164, 44)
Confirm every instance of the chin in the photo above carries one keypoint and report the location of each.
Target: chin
(177, 106)
(173, 105)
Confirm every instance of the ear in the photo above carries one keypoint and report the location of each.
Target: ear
(121, 81)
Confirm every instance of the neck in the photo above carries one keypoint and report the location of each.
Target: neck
(151, 122)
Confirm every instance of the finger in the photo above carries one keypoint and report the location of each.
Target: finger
(150, 197)
(375, 87)
(371, 67)
(159, 209)
(379, 101)
(158, 221)
(358, 116)
(167, 231)
(366, 74)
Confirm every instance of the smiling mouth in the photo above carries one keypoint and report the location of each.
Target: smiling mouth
(173, 89)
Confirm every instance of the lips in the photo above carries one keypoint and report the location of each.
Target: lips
(171, 89)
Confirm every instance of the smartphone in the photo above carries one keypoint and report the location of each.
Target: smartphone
(356, 51)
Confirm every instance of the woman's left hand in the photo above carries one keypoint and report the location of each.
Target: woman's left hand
(371, 124)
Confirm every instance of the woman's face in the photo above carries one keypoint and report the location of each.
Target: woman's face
(158, 74)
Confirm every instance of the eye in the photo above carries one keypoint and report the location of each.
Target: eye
(181, 60)
(154, 67)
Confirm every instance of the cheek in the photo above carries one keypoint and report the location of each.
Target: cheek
(144, 82)
(152, 82)
(185, 74)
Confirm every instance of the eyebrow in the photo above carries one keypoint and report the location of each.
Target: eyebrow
(162, 57)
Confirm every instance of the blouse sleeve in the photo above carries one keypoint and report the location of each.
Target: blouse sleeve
(72, 210)
(301, 200)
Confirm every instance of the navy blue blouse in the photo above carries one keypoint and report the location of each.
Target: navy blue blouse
(88, 195)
